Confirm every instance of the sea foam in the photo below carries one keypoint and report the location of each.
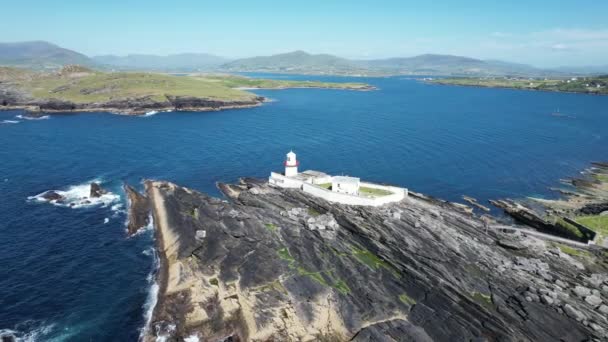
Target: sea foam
(152, 298)
(39, 332)
(26, 117)
(8, 122)
(77, 196)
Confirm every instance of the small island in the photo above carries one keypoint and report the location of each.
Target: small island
(79, 89)
(589, 85)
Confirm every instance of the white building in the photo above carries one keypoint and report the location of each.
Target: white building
(341, 189)
(345, 185)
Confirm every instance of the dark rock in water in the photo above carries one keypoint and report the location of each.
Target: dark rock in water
(52, 196)
(593, 209)
(96, 190)
(259, 267)
(8, 338)
(139, 210)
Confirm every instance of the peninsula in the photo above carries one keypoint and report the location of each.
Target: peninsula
(80, 89)
(589, 85)
(280, 263)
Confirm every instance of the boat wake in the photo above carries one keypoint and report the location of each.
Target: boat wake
(78, 196)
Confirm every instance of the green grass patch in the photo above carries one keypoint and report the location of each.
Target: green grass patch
(568, 227)
(313, 212)
(483, 299)
(316, 276)
(214, 281)
(341, 286)
(596, 222)
(572, 251)
(271, 227)
(373, 192)
(284, 255)
(405, 299)
(601, 177)
(368, 258)
(325, 185)
(373, 261)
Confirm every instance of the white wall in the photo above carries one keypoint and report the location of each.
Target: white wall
(398, 195)
(282, 181)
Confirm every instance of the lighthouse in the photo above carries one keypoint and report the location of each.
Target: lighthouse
(291, 165)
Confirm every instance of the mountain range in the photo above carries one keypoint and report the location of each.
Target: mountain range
(44, 55)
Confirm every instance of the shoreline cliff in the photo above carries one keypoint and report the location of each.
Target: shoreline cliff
(279, 264)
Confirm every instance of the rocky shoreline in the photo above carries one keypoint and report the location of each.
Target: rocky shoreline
(138, 106)
(278, 264)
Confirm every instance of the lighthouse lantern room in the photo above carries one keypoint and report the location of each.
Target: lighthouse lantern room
(291, 165)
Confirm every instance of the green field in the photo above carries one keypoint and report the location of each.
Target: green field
(232, 81)
(82, 85)
(591, 85)
(596, 222)
(373, 192)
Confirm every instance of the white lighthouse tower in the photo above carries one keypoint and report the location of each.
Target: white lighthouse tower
(291, 165)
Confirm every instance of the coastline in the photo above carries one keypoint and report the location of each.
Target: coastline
(514, 88)
(160, 227)
(217, 284)
(36, 110)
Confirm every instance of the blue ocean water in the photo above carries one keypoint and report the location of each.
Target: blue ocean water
(71, 274)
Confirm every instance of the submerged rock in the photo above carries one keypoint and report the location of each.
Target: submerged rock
(52, 196)
(260, 268)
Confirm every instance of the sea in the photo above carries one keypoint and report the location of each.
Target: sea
(69, 272)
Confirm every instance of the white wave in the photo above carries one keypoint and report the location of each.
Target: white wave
(192, 338)
(26, 117)
(152, 299)
(106, 220)
(40, 333)
(147, 228)
(150, 113)
(10, 121)
(77, 196)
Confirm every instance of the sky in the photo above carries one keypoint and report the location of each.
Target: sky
(539, 32)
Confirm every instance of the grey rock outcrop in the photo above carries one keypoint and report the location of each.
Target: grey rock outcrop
(96, 190)
(139, 210)
(263, 270)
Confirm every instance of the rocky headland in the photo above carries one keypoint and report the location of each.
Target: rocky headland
(272, 264)
(580, 213)
(79, 89)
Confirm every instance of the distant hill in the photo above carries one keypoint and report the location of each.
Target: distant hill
(428, 64)
(185, 62)
(39, 55)
(295, 62)
(585, 70)
(44, 55)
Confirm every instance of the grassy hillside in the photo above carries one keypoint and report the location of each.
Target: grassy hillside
(81, 85)
(232, 81)
(591, 85)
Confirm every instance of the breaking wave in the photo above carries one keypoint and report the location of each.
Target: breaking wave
(7, 122)
(152, 298)
(27, 117)
(78, 196)
(28, 332)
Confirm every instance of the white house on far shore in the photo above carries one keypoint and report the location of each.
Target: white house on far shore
(340, 189)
